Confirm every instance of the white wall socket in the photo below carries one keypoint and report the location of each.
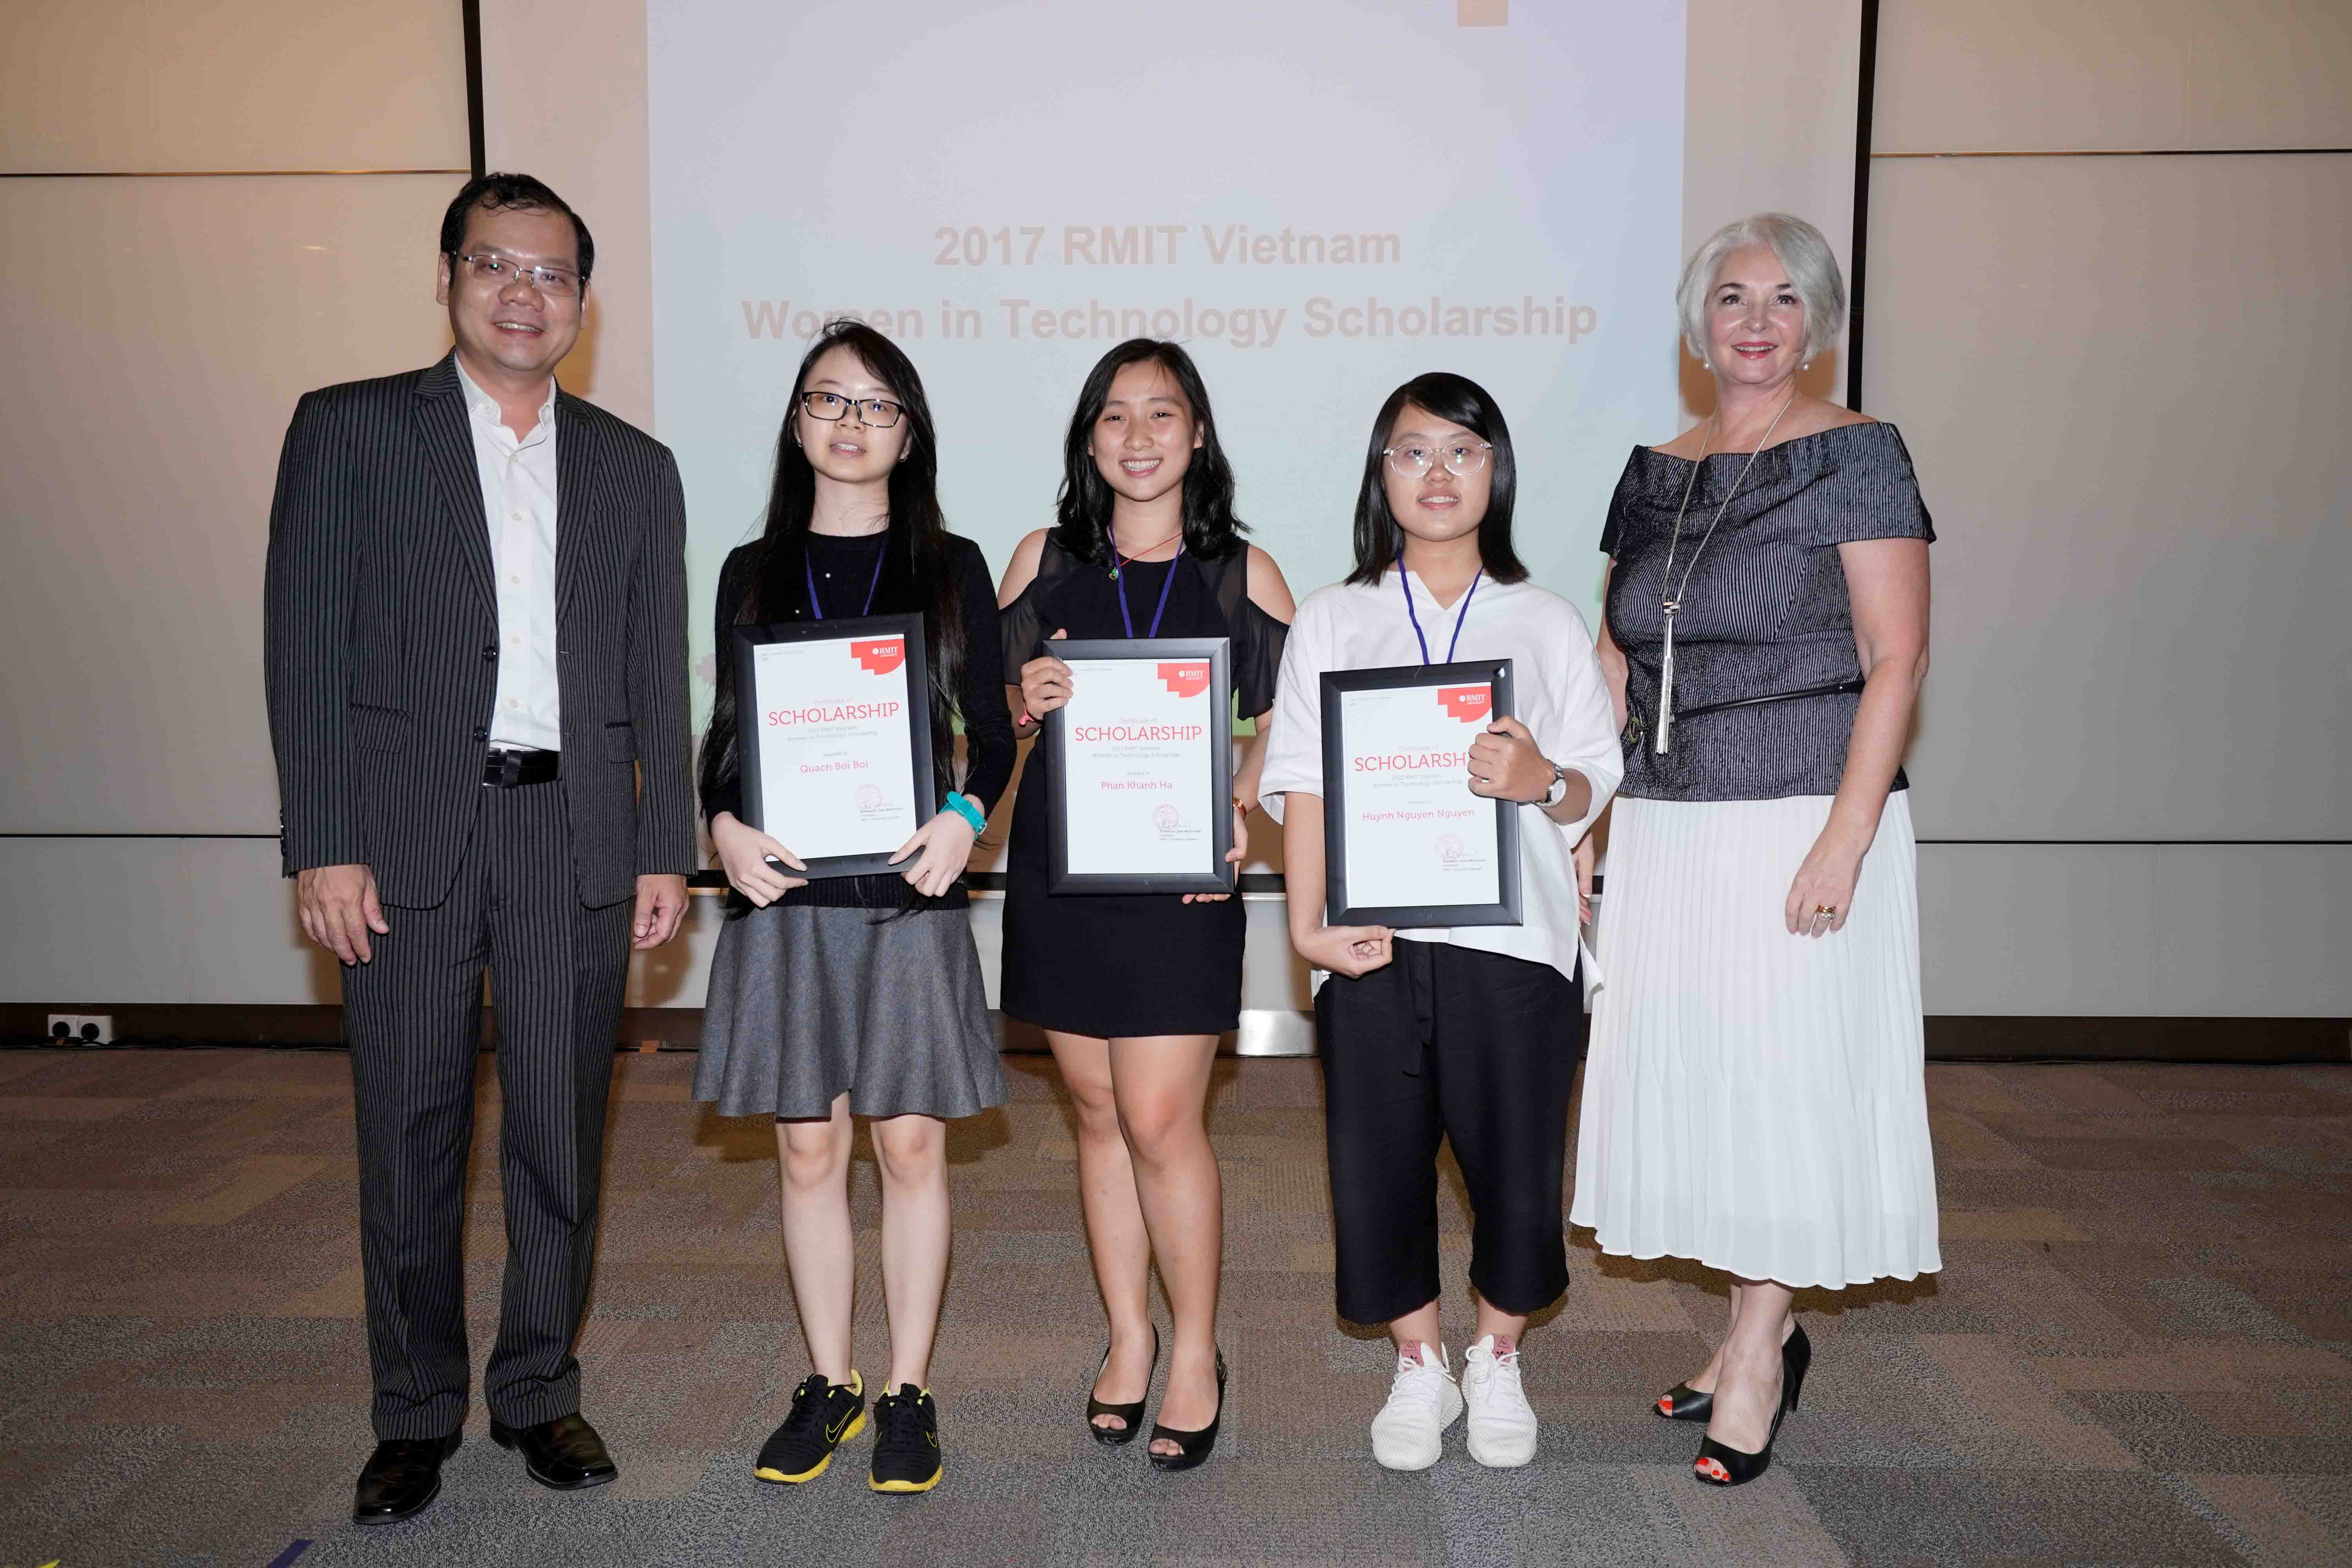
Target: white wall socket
(83, 1029)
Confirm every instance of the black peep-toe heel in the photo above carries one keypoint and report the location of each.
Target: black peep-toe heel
(1719, 1466)
(1684, 1403)
(1192, 1447)
(1130, 1413)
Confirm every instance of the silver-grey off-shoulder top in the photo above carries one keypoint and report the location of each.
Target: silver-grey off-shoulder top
(1764, 613)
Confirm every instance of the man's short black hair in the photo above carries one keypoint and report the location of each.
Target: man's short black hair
(497, 192)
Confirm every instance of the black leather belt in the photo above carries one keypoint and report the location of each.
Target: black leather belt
(504, 770)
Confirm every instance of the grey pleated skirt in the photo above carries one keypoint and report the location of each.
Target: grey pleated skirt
(806, 1003)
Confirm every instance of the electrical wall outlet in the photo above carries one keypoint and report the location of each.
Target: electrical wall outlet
(64, 1026)
(81, 1028)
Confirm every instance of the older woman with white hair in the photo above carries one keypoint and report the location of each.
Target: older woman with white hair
(1754, 1098)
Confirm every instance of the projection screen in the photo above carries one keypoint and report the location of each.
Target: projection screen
(1319, 199)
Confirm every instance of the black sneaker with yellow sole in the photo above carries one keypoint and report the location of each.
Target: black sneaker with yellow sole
(824, 1416)
(906, 1441)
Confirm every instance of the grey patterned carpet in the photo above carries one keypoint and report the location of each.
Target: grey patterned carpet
(2140, 1351)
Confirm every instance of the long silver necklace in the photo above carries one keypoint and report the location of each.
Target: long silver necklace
(1672, 592)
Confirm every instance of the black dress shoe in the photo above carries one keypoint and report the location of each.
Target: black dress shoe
(400, 1478)
(565, 1453)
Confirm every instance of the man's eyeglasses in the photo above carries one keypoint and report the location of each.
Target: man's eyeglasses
(878, 412)
(498, 271)
(1462, 458)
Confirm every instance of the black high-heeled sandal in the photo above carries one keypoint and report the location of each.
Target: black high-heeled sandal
(1130, 1413)
(1192, 1447)
(1684, 1403)
(1733, 1468)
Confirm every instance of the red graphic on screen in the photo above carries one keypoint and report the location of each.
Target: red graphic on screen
(879, 656)
(1467, 703)
(1185, 679)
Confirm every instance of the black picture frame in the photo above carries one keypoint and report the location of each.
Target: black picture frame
(1217, 875)
(749, 641)
(1509, 909)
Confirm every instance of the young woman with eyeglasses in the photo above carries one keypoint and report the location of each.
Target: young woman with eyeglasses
(858, 996)
(1465, 1034)
(1133, 991)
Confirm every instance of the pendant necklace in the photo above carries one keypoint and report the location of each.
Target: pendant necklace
(1120, 584)
(1116, 562)
(817, 608)
(1670, 592)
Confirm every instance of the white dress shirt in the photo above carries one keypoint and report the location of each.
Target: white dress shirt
(518, 501)
(1556, 689)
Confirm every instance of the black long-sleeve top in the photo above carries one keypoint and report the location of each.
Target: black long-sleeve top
(845, 571)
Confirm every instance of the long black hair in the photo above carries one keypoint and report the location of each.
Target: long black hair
(918, 572)
(1082, 512)
(1380, 541)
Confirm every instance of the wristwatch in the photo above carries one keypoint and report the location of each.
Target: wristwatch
(1558, 790)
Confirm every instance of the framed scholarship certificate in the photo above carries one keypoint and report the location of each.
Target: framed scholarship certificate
(1405, 843)
(1139, 767)
(834, 730)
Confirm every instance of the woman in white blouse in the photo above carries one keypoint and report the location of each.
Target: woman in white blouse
(1468, 1034)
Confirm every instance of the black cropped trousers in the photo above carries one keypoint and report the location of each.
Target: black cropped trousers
(1455, 1044)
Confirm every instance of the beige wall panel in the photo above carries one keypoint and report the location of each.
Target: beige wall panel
(157, 921)
(2136, 930)
(167, 84)
(564, 98)
(1768, 126)
(2006, 930)
(2272, 74)
(160, 332)
(2023, 75)
(2130, 430)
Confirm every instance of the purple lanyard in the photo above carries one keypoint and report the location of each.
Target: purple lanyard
(817, 609)
(1120, 577)
(1460, 615)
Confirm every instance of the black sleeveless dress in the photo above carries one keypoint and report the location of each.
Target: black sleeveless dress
(1127, 964)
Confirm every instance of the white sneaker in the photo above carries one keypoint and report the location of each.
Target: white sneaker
(1502, 1428)
(1409, 1434)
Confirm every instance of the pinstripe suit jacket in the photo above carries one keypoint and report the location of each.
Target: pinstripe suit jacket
(381, 639)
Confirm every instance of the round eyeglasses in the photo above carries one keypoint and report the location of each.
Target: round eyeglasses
(1461, 458)
(878, 412)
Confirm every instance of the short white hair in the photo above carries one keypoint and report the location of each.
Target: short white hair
(1812, 271)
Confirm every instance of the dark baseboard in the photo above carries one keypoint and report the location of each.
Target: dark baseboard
(1950, 1038)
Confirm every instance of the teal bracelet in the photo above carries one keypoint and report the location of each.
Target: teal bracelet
(968, 809)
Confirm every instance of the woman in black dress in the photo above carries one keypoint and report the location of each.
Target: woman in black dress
(1133, 991)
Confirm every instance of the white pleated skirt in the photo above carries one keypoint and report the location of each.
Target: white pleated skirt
(1752, 1099)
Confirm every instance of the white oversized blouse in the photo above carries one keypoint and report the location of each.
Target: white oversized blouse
(1558, 690)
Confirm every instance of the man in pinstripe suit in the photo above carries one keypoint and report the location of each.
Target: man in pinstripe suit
(476, 644)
